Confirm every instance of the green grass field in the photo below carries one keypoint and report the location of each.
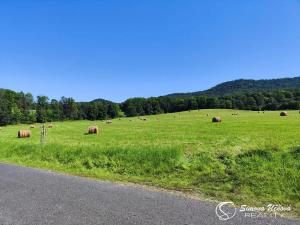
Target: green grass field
(252, 158)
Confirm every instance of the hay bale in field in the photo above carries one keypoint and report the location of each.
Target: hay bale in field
(50, 125)
(216, 119)
(24, 134)
(32, 126)
(108, 121)
(283, 113)
(93, 130)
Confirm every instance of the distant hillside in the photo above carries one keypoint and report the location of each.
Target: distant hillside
(242, 85)
(103, 101)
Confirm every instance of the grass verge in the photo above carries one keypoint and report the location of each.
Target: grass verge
(255, 177)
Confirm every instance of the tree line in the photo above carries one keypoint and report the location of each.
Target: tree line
(23, 108)
(268, 100)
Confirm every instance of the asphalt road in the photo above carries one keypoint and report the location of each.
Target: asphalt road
(31, 196)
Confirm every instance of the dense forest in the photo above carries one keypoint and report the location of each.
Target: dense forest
(23, 108)
(243, 85)
(267, 100)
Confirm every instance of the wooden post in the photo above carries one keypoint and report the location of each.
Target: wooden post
(43, 134)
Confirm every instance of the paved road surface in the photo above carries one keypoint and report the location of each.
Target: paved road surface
(31, 196)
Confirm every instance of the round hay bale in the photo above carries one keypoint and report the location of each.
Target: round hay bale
(93, 130)
(24, 133)
(216, 119)
(283, 113)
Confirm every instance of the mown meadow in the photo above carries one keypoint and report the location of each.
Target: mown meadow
(250, 158)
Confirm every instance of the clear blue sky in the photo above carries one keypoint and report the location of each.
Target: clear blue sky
(119, 49)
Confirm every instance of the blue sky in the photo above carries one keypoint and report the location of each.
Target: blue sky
(120, 49)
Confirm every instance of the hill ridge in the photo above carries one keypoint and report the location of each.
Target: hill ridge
(245, 85)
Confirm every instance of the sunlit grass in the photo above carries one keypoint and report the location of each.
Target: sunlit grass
(249, 158)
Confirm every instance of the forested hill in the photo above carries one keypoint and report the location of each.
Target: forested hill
(276, 94)
(242, 85)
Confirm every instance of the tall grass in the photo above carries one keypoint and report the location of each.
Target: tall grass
(152, 161)
(255, 176)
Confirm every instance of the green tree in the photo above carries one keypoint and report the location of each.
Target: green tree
(69, 108)
(16, 114)
(55, 110)
(41, 109)
(192, 103)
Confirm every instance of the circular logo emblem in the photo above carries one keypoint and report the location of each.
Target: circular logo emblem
(225, 210)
